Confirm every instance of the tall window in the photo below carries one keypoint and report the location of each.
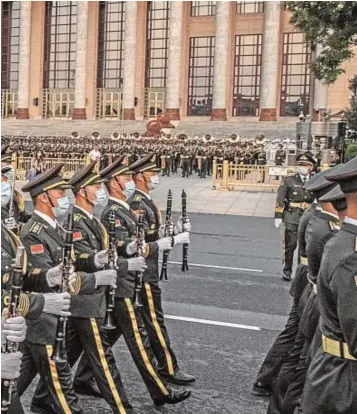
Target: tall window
(10, 36)
(200, 84)
(111, 44)
(250, 7)
(247, 66)
(203, 8)
(157, 44)
(60, 44)
(295, 83)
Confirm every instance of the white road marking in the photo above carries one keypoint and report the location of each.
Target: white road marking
(215, 323)
(221, 267)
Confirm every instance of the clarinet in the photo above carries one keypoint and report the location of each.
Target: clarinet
(10, 222)
(59, 353)
(184, 266)
(168, 233)
(109, 324)
(7, 386)
(138, 303)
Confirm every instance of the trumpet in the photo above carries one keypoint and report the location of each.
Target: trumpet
(168, 233)
(109, 324)
(7, 386)
(59, 353)
(138, 303)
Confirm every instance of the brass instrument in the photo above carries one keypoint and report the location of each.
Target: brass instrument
(109, 324)
(7, 386)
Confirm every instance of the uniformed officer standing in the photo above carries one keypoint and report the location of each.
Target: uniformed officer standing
(330, 386)
(146, 178)
(292, 200)
(128, 320)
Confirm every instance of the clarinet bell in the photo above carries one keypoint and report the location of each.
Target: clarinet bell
(109, 324)
(59, 354)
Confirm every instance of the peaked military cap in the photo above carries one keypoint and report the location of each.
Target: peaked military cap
(6, 154)
(305, 159)
(85, 177)
(147, 163)
(48, 180)
(319, 185)
(345, 175)
(114, 169)
(333, 195)
(5, 169)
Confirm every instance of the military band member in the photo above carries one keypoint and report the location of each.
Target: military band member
(331, 379)
(292, 200)
(146, 178)
(128, 320)
(185, 164)
(280, 155)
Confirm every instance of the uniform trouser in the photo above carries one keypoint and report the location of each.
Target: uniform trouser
(57, 377)
(153, 316)
(185, 171)
(15, 406)
(83, 335)
(290, 244)
(279, 351)
(130, 324)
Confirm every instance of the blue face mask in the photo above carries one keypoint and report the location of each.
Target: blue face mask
(10, 175)
(63, 206)
(129, 189)
(5, 193)
(101, 197)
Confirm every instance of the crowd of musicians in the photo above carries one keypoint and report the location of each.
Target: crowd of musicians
(312, 366)
(91, 281)
(180, 154)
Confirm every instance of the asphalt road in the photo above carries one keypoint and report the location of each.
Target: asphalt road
(222, 317)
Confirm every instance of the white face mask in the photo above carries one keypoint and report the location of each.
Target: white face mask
(5, 193)
(62, 208)
(10, 175)
(101, 197)
(154, 182)
(129, 189)
(303, 170)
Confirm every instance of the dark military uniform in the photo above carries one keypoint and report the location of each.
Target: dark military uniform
(185, 165)
(280, 156)
(291, 202)
(19, 212)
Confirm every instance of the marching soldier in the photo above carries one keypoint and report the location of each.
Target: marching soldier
(127, 319)
(331, 378)
(280, 155)
(292, 200)
(146, 178)
(185, 164)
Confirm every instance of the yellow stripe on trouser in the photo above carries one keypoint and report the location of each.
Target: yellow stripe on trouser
(56, 382)
(140, 344)
(104, 363)
(170, 366)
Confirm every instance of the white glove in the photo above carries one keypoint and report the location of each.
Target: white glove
(57, 303)
(106, 278)
(132, 248)
(54, 275)
(164, 244)
(162, 231)
(182, 238)
(13, 329)
(180, 227)
(101, 258)
(137, 264)
(10, 223)
(277, 222)
(10, 365)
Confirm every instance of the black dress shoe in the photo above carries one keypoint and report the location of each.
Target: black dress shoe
(91, 388)
(174, 397)
(261, 389)
(179, 378)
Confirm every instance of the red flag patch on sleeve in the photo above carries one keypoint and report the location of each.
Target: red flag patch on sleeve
(77, 235)
(117, 222)
(37, 249)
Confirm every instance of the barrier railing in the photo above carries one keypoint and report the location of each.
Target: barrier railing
(228, 175)
(72, 165)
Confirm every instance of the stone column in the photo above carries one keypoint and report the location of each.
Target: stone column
(221, 50)
(79, 111)
(270, 61)
(131, 16)
(174, 60)
(319, 94)
(24, 61)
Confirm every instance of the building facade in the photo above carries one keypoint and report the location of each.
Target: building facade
(133, 60)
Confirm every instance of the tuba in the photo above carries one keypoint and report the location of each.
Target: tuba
(115, 135)
(234, 138)
(95, 135)
(208, 138)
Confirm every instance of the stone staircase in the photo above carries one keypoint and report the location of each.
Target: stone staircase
(218, 129)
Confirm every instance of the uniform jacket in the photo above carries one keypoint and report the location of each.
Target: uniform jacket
(44, 247)
(331, 380)
(20, 214)
(152, 223)
(291, 191)
(31, 304)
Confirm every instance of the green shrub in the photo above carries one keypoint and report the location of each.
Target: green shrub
(351, 152)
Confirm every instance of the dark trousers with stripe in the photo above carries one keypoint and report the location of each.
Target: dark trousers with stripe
(130, 324)
(83, 335)
(153, 316)
(290, 244)
(57, 377)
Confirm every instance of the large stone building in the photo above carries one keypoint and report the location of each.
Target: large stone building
(199, 60)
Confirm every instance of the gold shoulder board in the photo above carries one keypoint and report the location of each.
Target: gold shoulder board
(36, 227)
